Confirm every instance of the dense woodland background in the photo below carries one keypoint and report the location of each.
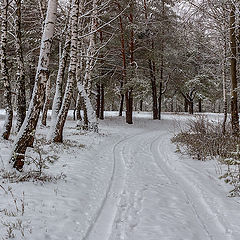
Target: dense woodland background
(128, 55)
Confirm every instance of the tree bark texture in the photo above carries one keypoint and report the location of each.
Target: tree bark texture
(62, 115)
(128, 94)
(27, 132)
(98, 102)
(124, 67)
(4, 71)
(233, 70)
(154, 90)
(78, 107)
(102, 103)
(57, 101)
(47, 102)
(20, 80)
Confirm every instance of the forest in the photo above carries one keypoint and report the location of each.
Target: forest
(173, 56)
(72, 71)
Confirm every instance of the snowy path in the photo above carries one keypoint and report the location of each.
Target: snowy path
(154, 195)
(126, 183)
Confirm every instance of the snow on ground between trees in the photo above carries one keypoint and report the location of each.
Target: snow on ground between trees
(125, 182)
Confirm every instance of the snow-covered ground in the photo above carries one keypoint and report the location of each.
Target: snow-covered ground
(124, 183)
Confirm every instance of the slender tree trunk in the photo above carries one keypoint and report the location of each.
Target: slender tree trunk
(200, 105)
(151, 65)
(154, 90)
(47, 102)
(62, 115)
(20, 81)
(129, 106)
(4, 71)
(121, 104)
(186, 104)
(128, 94)
(141, 105)
(102, 102)
(233, 69)
(224, 95)
(123, 52)
(160, 102)
(85, 117)
(57, 101)
(191, 107)
(27, 132)
(161, 64)
(98, 102)
(78, 107)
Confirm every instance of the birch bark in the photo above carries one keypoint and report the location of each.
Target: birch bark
(4, 70)
(26, 134)
(20, 81)
(47, 101)
(90, 120)
(62, 115)
(57, 101)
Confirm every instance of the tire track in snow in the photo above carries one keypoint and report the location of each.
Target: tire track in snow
(104, 218)
(180, 185)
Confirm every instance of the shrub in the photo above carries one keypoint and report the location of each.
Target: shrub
(203, 139)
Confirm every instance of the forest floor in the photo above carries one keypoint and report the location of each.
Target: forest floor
(124, 183)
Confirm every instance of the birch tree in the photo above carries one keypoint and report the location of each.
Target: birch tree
(20, 81)
(84, 87)
(26, 134)
(47, 101)
(4, 71)
(57, 131)
(233, 69)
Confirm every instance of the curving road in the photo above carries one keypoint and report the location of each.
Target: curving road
(155, 194)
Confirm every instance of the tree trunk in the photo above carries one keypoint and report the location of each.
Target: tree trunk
(191, 107)
(26, 134)
(200, 105)
(128, 95)
(47, 102)
(20, 81)
(129, 104)
(85, 117)
(186, 105)
(57, 101)
(102, 102)
(141, 105)
(160, 102)
(154, 90)
(161, 92)
(4, 71)
(224, 86)
(62, 115)
(121, 105)
(98, 100)
(78, 107)
(124, 67)
(89, 114)
(233, 70)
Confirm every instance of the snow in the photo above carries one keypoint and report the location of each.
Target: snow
(124, 183)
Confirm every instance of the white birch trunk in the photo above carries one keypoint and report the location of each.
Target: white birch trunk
(20, 81)
(57, 130)
(47, 101)
(57, 101)
(84, 88)
(26, 134)
(4, 71)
